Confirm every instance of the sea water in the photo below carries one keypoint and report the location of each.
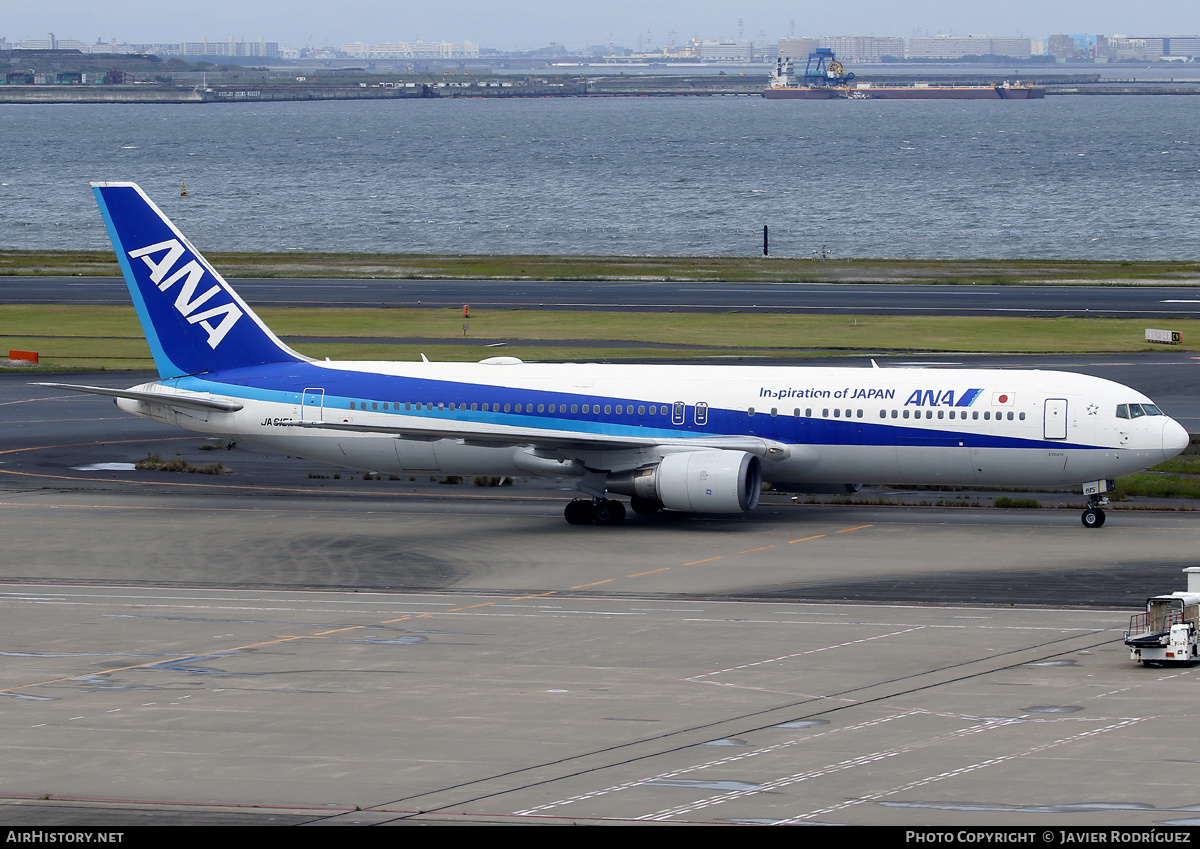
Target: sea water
(1086, 177)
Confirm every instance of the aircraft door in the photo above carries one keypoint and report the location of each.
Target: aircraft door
(312, 407)
(1055, 426)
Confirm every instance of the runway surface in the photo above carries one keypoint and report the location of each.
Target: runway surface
(1109, 301)
(275, 647)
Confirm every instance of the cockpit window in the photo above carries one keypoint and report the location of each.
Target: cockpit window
(1134, 411)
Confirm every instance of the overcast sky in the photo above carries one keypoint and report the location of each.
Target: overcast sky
(522, 24)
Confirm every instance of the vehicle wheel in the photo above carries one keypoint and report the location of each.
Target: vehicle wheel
(1093, 517)
(610, 512)
(580, 512)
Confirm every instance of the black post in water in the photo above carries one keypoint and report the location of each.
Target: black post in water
(765, 240)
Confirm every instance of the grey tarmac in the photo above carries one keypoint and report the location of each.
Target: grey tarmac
(1151, 300)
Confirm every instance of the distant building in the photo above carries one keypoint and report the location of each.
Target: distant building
(229, 47)
(798, 48)
(1185, 46)
(1155, 47)
(958, 46)
(239, 48)
(51, 43)
(864, 49)
(113, 48)
(947, 46)
(1118, 48)
(726, 51)
(413, 50)
(1014, 48)
(37, 43)
(1062, 46)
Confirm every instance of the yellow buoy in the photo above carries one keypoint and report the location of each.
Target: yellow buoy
(182, 189)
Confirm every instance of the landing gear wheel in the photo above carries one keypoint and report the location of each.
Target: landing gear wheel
(1093, 517)
(580, 512)
(601, 511)
(610, 512)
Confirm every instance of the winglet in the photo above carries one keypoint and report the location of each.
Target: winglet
(193, 320)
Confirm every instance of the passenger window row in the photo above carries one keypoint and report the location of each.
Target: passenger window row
(960, 415)
(587, 409)
(700, 411)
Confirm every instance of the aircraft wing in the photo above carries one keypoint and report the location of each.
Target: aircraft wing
(164, 398)
(549, 438)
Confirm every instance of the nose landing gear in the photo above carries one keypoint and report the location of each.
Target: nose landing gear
(1093, 516)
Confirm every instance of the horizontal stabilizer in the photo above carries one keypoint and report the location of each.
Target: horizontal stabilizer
(167, 399)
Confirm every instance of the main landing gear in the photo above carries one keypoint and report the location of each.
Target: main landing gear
(597, 511)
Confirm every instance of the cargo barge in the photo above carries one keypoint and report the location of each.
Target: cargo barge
(825, 78)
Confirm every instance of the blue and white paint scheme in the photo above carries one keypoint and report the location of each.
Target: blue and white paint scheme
(692, 438)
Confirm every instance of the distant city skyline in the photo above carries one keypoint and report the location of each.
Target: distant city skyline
(509, 25)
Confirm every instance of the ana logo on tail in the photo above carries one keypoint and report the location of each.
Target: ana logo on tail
(186, 301)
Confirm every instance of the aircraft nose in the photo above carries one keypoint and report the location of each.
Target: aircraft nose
(1174, 438)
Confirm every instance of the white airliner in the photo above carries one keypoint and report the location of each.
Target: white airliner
(699, 439)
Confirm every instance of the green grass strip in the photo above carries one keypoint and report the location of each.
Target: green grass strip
(1152, 485)
(71, 335)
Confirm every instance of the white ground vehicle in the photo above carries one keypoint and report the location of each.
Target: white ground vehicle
(1167, 631)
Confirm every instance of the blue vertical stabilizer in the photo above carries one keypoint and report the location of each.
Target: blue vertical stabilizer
(195, 323)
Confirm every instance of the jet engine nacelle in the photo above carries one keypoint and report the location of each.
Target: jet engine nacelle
(705, 481)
